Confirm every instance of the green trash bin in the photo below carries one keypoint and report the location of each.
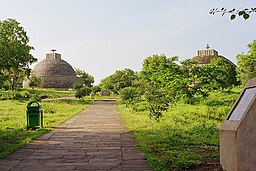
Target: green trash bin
(34, 114)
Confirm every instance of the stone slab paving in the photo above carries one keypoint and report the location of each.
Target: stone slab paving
(95, 139)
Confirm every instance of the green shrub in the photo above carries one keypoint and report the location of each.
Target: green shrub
(205, 134)
(49, 109)
(14, 94)
(9, 94)
(129, 95)
(213, 102)
(25, 94)
(35, 97)
(85, 91)
(186, 160)
(217, 113)
(77, 86)
(140, 106)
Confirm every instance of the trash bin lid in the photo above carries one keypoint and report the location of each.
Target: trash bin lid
(32, 102)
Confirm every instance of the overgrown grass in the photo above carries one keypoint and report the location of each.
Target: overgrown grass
(186, 136)
(13, 133)
(23, 94)
(51, 93)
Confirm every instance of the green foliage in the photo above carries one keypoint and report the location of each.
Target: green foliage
(245, 13)
(85, 79)
(25, 94)
(3, 81)
(85, 91)
(50, 93)
(49, 109)
(14, 94)
(34, 81)
(33, 94)
(247, 64)
(14, 76)
(77, 85)
(158, 102)
(186, 137)
(96, 89)
(221, 74)
(193, 83)
(35, 97)
(119, 80)
(140, 85)
(167, 82)
(160, 74)
(158, 69)
(140, 106)
(129, 95)
(15, 56)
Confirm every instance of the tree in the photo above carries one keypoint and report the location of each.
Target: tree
(158, 101)
(129, 95)
(85, 79)
(96, 89)
(34, 81)
(77, 85)
(247, 64)
(2, 81)
(14, 76)
(223, 73)
(158, 69)
(192, 84)
(245, 13)
(85, 91)
(177, 81)
(119, 80)
(15, 56)
(219, 74)
(162, 76)
(14, 48)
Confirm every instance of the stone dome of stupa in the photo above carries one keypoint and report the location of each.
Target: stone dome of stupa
(204, 57)
(55, 72)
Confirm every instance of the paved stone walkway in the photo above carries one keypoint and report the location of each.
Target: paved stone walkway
(95, 139)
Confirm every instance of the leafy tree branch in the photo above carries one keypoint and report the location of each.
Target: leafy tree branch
(245, 13)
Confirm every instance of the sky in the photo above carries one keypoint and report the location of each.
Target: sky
(102, 36)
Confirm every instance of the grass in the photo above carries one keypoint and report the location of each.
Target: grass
(186, 136)
(38, 94)
(50, 92)
(13, 133)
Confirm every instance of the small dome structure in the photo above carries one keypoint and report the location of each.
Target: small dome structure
(204, 57)
(55, 72)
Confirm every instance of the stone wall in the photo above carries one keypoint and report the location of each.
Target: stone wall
(57, 81)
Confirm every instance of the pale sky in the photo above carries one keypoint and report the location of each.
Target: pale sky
(102, 36)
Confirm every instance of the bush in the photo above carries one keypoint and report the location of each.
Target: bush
(35, 97)
(217, 113)
(140, 106)
(25, 94)
(129, 95)
(213, 102)
(49, 109)
(85, 91)
(4, 95)
(14, 95)
(77, 86)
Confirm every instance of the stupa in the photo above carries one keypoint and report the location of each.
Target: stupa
(204, 57)
(55, 72)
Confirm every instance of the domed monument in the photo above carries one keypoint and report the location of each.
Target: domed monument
(54, 72)
(204, 57)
